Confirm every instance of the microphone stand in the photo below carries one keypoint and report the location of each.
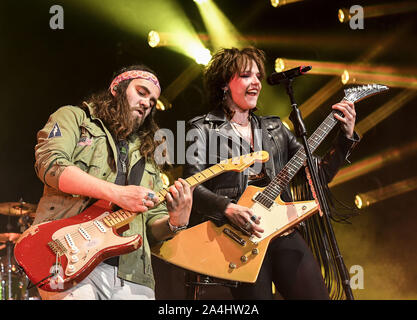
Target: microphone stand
(301, 132)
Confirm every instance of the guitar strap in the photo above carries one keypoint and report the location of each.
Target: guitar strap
(136, 174)
(134, 178)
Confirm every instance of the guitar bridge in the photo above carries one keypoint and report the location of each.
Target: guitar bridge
(57, 247)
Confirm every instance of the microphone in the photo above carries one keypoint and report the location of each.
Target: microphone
(277, 77)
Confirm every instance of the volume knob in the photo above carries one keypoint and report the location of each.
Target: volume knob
(71, 268)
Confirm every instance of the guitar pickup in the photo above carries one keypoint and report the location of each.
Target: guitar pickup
(263, 200)
(234, 236)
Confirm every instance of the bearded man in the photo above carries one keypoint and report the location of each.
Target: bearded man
(105, 149)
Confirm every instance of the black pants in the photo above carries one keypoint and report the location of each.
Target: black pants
(290, 264)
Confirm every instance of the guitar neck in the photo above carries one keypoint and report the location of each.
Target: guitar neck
(271, 192)
(121, 216)
(197, 179)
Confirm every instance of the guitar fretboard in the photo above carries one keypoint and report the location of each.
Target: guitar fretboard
(121, 216)
(197, 178)
(117, 217)
(275, 187)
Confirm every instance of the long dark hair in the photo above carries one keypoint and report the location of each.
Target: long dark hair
(114, 111)
(224, 64)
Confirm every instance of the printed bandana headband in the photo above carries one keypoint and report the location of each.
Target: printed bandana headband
(134, 74)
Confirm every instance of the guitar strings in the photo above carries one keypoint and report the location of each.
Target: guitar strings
(281, 179)
(89, 225)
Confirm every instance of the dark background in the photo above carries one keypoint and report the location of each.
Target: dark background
(43, 69)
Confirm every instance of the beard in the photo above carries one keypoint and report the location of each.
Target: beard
(136, 124)
(137, 121)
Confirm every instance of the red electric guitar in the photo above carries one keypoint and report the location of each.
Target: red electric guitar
(57, 255)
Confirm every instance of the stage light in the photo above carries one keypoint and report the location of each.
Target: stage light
(342, 14)
(366, 199)
(280, 3)
(345, 77)
(189, 46)
(373, 163)
(357, 73)
(163, 104)
(335, 84)
(200, 54)
(379, 10)
(153, 39)
(279, 65)
(389, 79)
(275, 3)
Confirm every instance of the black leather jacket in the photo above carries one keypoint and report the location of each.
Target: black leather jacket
(211, 198)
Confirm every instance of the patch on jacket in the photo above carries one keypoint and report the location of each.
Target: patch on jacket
(55, 132)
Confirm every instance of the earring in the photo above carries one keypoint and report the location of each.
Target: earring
(224, 94)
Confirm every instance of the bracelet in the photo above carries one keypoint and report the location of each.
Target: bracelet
(176, 229)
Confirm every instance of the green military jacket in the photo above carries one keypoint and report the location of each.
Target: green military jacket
(75, 137)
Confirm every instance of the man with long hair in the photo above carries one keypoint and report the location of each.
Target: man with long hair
(105, 149)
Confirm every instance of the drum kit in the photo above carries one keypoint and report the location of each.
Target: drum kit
(15, 218)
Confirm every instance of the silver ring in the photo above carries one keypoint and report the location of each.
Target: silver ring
(150, 195)
(253, 218)
(247, 225)
(144, 201)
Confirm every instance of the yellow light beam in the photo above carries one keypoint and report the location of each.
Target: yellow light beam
(182, 81)
(363, 200)
(223, 33)
(281, 3)
(385, 111)
(379, 10)
(356, 72)
(391, 80)
(334, 85)
(373, 163)
(163, 16)
(337, 68)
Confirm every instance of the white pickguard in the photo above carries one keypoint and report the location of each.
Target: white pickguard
(279, 216)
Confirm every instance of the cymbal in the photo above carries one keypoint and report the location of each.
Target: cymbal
(12, 237)
(17, 208)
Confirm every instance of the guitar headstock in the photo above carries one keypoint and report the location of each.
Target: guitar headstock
(359, 93)
(241, 163)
